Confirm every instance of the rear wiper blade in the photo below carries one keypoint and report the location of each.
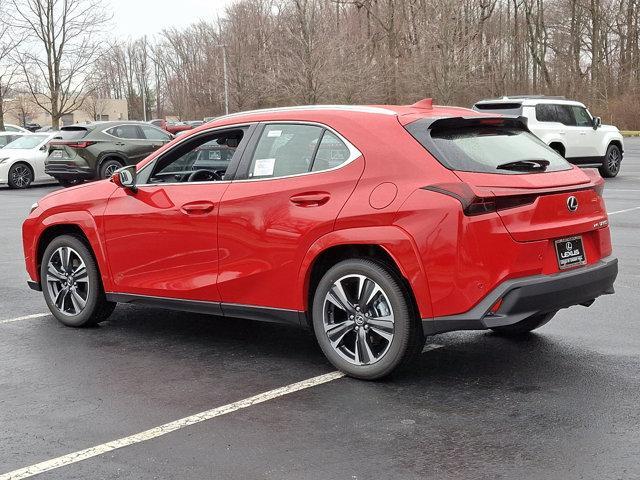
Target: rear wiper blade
(525, 165)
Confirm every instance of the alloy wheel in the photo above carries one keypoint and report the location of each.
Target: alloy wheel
(110, 170)
(358, 319)
(67, 281)
(21, 176)
(613, 160)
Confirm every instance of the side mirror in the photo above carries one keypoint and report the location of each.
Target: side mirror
(43, 148)
(126, 177)
(597, 121)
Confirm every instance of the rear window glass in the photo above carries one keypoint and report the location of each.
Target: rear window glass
(484, 148)
(74, 133)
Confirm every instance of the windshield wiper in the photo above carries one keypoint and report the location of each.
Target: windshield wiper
(525, 165)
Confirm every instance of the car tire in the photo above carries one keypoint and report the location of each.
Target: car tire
(69, 183)
(366, 338)
(612, 161)
(525, 326)
(71, 283)
(108, 167)
(20, 175)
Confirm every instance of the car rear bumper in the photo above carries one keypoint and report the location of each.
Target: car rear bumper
(69, 172)
(528, 296)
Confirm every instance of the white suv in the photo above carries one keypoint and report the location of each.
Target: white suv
(567, 127)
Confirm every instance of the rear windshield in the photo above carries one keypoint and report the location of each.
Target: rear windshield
(502, 108)
(483, 148)
(73, 133)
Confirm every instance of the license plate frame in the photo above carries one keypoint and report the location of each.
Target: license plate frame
(570, 252)
(57, 154)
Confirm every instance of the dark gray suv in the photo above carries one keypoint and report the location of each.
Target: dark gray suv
(96, 150)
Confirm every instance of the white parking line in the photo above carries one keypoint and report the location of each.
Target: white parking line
(166, 428)
(623, 211)
(26, 317)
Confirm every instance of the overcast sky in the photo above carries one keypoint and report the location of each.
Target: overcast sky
(135, 18)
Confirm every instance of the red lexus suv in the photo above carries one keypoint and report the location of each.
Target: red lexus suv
(373, 226)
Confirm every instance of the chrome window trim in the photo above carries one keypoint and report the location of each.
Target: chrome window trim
(354, 154)
(105, 131)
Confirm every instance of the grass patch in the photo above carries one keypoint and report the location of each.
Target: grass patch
(631, 133)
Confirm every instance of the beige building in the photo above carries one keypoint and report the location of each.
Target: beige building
(23, 107)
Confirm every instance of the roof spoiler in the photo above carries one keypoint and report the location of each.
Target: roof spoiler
(458, 122)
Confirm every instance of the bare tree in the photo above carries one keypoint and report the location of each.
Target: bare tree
(9, 40)
(64, 46)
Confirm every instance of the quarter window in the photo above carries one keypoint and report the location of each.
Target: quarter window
(292, 149)
(546, 112)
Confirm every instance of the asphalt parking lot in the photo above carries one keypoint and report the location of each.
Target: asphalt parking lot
(562, 403)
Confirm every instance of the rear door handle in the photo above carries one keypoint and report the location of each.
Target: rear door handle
(197, 208)
(311, 199)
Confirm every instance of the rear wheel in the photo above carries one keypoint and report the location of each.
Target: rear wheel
(20, 175)
(524, 326)
(108, 168)
(612, 160)
(71, 283)
(363, 320)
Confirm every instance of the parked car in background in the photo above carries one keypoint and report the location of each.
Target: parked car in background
(171, 127)
(567, 127)
(8, 127)
(22, 161)
(33, 127)
(8, 137)
(456, 221)
(96, 150)
(46, 128)
(209, 119)
(194, 123)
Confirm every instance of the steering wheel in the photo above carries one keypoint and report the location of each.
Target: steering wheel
(203, 176)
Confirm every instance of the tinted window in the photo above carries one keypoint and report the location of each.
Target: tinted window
(285, 149)
(483, 148)
(154, 134)
(565, 114)
(331, 153)
(546, 112)
(583, 119)
(73, 133)
(125, 131)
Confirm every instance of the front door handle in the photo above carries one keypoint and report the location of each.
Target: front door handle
(311, 199)
(197, 208)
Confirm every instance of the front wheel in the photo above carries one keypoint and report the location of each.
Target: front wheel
(612, 161)
(524, 326)
(363, 320)
(20, 176)
(71, 283)
(108, 168)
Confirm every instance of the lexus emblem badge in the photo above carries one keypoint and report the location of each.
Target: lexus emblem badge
(572, 204)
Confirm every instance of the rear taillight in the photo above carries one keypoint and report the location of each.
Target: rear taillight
(596, 178)
(80, 144)
(474, 204)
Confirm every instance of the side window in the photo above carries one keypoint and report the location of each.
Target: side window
(565, 115)
(546, 113)
(331, 153)
(9, 128)
(4, 139)
(126, 132)
(204, 158)
(285, 149)
(583, 119)
(151, 133)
